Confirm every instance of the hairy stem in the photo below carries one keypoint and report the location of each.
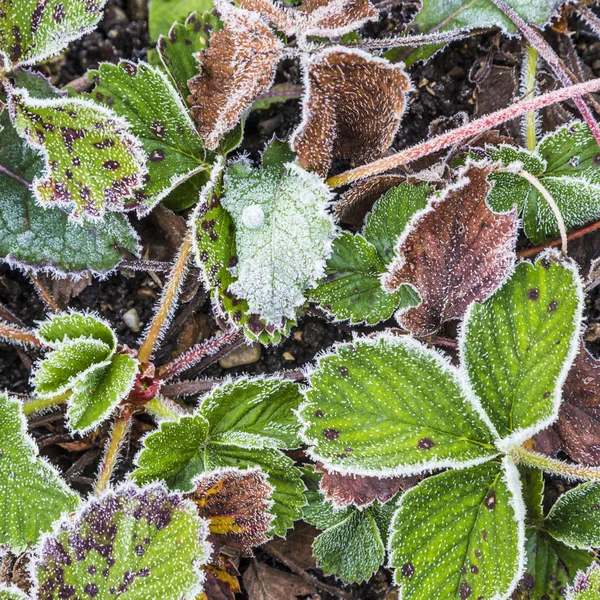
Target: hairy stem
(170, 295)
(117, 438)
(529, 84)
(12, 333)
(556, 467)
(197, 353)
(38, 404)
(163, 408)
(536, 39)
(590, 18)
(455, 136)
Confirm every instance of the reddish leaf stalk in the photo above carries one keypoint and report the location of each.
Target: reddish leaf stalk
(528, 252)
(17, 335)
(544, 49)
(460, 133)
(198, 352)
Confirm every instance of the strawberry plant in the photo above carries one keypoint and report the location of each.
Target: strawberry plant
(438, 438)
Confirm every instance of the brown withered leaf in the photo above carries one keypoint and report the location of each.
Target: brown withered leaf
(235, 69)
(352, 107)
(220, 581)
(321, 18)
(236, 504)
(456, 252)
(577, 430)
(262, 582)
(343, 490)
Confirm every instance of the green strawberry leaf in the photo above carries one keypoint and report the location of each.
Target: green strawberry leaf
(574, 517)
(12, 593)
(532, 483)
(96, 395)
(282, 234)
(240, 424)
(177, 48)
(133, 543)
(33, 30)
(61, 369)
(460, 534)
(92, 162)
(45, 238)
(586, 585)
(144, 97)
(352, 287)
(163, 13)
(550, 567)
(517, 347)
(61, 328)
(32, 495)
(565, 163)
(390, 406)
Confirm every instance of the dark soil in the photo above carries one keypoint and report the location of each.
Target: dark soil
(449, 83)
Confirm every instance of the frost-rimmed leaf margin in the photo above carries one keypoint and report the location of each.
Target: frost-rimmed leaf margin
(12, 592)
(425, 466)
(516, 438)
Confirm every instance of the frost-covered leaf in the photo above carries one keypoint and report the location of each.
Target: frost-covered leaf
(460, 535)
(12, 593)
(448, 15)
(163, 13)
(390, 406)
(236, 504)
(92, 161)
(238, 66)
(96, 396)
(586, 585)
(146, 99)
(351, 110)
(238, 425)
(577, 430)
(32, 30)
(220, 581)
(352, 288)
(550, 567)
(45, 238)
(565, 163)
(74, 325)
(129, 543)
(357, 489)
(518, 345)
(321, 18)
(456, 252)
(574, 517)
(282, 236)
(32, 495)
(184, 40)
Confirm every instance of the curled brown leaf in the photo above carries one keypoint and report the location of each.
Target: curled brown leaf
(352, 108)
(455, 252)
(235, 69)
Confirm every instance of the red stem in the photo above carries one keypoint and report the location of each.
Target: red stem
(528, 252)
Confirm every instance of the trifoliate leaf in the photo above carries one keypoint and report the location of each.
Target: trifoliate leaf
(389, 406)
(32, 30)
(574, 517)
(74, 325)
(586, 585)
(352, 287)
(565, 162)
(235, 69)
(337, 81)
(550, 567)
(236, 505)
(146, 99)
(32, 495)
(130, 543)
(47, 239)
(282, 235)
(184, 40)
(163, 13)
(237, 425)
(460, 535)
(96, 396)
(93, 163)
(448, 15)
(517, 347)
(456, 252)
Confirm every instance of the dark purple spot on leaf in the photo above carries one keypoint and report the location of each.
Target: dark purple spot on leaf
(533, 294)
(408, 570)
(157, 155)
(464, 591)
(331, 434)
(112, 165)
(425, 444)
(490, 500)
(552, 306)
(343, 371)
(319, 414)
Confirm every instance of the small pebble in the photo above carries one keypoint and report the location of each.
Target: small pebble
(245, 355)
(132, 320)
(288, 356)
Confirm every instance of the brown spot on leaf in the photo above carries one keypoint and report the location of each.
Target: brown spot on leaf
(343, 371)
(464, 590)
(425, 444)
(552, 306)
(156, 155)
(331, 434)
(533, 294)
(408, 570)
(490, 500)
(112, 165)
(319, 414)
